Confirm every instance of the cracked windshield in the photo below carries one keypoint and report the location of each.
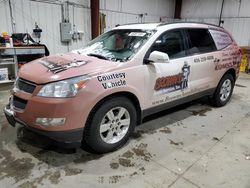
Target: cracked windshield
(117, 45)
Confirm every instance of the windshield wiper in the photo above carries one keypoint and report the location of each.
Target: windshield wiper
(98, 56)
(118, 59)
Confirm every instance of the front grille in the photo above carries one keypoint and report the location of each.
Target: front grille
(25, 86)
(19, 103)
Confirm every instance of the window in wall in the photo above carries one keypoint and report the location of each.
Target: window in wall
(200, 41)
(171, 43)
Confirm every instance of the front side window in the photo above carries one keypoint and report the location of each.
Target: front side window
(200, 41)
(171, 43)
(117, 45)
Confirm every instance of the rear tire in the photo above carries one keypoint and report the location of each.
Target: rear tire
(223, 91)
(110, 125)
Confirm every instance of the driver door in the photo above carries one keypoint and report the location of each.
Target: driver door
(168, 81)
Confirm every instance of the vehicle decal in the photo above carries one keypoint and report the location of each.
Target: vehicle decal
(179, 96)
(137, 34)
(229, 60)
(221, 39)
(172, 83)
(111, 77)
(225, 65)
(112, 80)
(203, 59)
(59, 67)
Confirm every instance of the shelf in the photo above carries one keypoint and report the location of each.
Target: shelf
(6, 81)
(6, 59)
(7, 63)
(22, 51)
(9, 58)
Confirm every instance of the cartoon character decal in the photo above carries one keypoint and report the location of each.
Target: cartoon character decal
(185, 72)
(175, 82)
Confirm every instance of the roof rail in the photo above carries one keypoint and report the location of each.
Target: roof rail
(137, 23)
(190, 22)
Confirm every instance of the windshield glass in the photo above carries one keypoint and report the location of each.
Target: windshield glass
(117, 45)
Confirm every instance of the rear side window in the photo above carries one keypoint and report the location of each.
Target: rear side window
(222, 39)
(200, 41)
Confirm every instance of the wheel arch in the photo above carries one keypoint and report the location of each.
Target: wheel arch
(214, 99)
(132, 97)
(232, 72)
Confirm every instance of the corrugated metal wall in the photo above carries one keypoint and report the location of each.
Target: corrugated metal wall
(48, 16)
(127, 11)
(235, 14)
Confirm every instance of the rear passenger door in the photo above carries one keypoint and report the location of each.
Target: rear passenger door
(202, 55)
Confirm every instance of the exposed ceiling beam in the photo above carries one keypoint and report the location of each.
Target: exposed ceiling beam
(94, 6)
(177, 11)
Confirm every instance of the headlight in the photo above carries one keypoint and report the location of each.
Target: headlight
(64, 88)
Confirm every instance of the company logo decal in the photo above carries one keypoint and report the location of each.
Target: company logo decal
(168, 81)
(58, 67)
(229, 60)
(172, 83)
(112, 80)
(225, 65)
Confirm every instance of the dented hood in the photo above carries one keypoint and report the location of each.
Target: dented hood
(59, 67)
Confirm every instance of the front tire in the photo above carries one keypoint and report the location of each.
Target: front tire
(110, 125)
(223, 91)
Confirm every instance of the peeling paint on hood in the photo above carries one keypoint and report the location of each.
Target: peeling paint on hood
(59, 67)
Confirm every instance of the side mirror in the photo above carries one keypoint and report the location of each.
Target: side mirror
(158, 57)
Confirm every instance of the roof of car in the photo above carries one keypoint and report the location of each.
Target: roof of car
(152, 26)
(146, 26)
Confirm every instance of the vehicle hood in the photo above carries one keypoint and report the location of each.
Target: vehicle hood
(59, 67)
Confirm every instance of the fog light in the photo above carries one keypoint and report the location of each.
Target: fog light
(50, 121)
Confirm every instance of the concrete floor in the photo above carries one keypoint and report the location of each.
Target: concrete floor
(193, 145)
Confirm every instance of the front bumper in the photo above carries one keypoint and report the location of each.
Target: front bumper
(69, 138)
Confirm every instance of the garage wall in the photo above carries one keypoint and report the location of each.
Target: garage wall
(127, 11)
(48, 16)
(236, 16)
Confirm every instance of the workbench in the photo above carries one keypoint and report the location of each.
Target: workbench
(10, 57)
